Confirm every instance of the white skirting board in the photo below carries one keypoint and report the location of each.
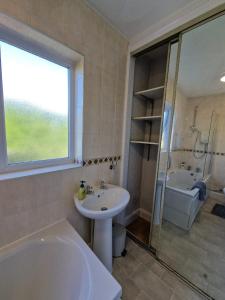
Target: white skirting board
(140, 212)
(144, 214)
(131, 217)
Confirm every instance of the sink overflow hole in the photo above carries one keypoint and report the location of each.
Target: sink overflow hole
(104, 208)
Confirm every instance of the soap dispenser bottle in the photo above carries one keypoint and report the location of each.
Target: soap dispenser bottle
(82, 192)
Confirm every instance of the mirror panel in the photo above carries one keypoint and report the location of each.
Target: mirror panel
(191, 211)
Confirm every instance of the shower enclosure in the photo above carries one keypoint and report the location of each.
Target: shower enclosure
(188, 165)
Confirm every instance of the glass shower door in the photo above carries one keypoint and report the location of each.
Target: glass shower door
(188, 234)
(164, 151)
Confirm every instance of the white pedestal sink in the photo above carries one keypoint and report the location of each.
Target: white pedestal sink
(102, 206)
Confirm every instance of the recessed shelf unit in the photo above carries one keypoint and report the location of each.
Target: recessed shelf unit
(146, 119)
(144, 143)
(153, 93)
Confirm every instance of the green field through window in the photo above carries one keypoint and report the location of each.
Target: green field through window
(35, 94)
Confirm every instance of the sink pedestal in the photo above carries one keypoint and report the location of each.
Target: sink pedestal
(102, 205)
(103, 241)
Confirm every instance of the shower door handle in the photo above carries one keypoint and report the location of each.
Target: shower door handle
(169, 161)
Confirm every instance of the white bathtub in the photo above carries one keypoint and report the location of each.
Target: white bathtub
(54, 264)
(181, 204)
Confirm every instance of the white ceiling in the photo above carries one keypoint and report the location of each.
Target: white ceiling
(132, 17)
(202, 60)
(203, 49)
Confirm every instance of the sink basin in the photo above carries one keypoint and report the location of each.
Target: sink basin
(102, 206)
(103, 203)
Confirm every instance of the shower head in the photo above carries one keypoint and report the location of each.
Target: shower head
(193, 126)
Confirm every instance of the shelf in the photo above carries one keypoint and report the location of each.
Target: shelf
(147, 118)
(144, 143)
(153, 93)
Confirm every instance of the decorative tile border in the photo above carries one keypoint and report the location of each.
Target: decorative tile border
(200, 151)
(97, 161)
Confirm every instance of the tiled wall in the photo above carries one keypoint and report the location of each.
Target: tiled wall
(29, 203)
(206, 105)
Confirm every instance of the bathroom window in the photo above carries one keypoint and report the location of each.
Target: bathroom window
(41, 108)
(35, 93)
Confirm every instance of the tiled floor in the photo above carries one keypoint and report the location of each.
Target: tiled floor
(200, 254)
(140, 228)
(143, 278)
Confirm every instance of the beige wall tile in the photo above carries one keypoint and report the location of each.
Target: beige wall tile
(206, 105)
(28, 203)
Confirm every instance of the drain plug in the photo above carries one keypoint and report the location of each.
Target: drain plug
(104, 208)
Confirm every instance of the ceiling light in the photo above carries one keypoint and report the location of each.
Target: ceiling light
(222, 78)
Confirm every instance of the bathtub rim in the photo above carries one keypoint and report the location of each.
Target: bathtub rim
(99, 285)
(188, 192)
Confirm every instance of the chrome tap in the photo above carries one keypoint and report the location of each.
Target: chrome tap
(182, 165)
(102, 185)
(89, 190)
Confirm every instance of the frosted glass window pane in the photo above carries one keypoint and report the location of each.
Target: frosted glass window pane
(35, 94)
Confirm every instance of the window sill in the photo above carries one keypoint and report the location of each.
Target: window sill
(44, 170)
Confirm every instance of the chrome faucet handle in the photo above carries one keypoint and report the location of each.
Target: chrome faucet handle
(102, 184)
(89, 189)
(182, 165)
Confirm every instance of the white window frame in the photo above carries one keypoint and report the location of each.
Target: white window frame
(34, 42)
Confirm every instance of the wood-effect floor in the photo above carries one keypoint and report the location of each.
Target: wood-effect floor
(140, 229)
